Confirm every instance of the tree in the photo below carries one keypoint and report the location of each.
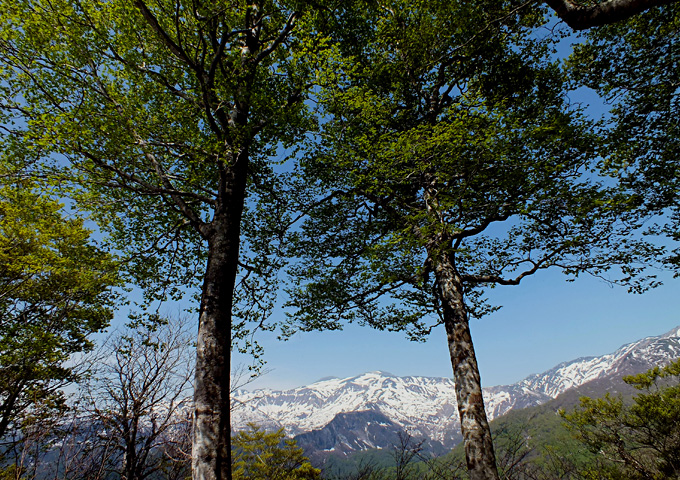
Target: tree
(462, 167)
(129, 418)
(640, 440)
(260, 455)
(168, 114)
(135, 400)
(634, 66)
(405, 453)
(56, 289)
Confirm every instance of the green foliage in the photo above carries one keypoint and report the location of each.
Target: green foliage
(261, 455)
(641, 439)
(146, 120)
(358, 465)
(55, 290)
(460, 144)
(406, 459)
(10, 473)
(634, 65)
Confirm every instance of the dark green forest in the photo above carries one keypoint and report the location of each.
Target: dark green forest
(383, 163)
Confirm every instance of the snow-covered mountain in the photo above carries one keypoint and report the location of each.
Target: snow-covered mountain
(632, 358)
(426, 406)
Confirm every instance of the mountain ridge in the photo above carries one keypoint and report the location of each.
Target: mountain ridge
(426, 407)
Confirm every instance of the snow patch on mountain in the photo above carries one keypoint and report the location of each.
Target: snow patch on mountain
(630, 358)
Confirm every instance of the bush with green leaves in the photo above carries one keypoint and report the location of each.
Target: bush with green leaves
(261, 455)
(639, 439)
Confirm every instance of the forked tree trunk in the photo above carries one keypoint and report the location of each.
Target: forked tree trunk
(479, 452)
(211, 439)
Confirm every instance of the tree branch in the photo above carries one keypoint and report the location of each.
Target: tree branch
(146, 187)
(471, 232)
(165, 38)
(186, 210)
(544, 262)
(497, 279)
(290, 23)
(580, 17)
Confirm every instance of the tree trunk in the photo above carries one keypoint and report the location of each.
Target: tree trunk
(479, 452)
(130, 454)
(7, 408)
(211, 439)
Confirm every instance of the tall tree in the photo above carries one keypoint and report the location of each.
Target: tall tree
(463, 167)
(55, 291)
(168, 113)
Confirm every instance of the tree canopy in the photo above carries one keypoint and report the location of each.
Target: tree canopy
(634, 66)
(56, 289)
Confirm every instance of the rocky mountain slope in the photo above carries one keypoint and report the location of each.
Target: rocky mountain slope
(426, 406)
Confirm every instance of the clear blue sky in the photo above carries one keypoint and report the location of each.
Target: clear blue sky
(544, 321)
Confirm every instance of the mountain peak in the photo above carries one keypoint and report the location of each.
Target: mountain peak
(377, 373)
(675, 332)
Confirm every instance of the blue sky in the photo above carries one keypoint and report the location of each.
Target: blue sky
(544, 321)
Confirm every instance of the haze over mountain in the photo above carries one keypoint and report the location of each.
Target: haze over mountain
(425, 406)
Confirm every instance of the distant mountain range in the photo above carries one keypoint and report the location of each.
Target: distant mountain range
(342, 416)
